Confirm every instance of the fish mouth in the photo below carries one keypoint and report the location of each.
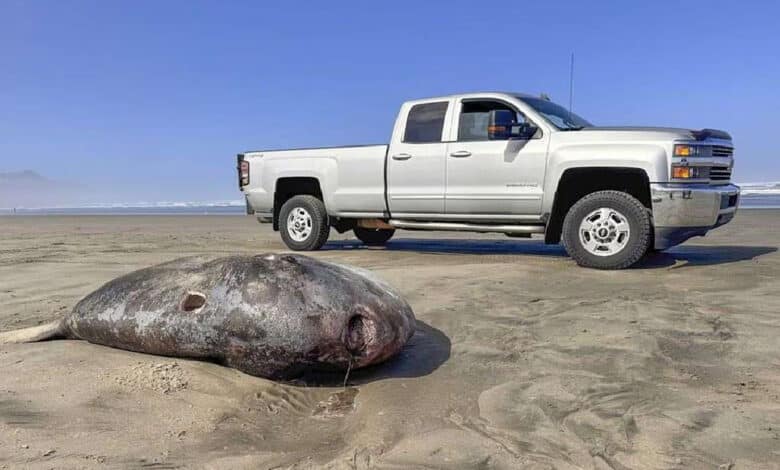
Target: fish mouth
(369, 339)
(361, 334)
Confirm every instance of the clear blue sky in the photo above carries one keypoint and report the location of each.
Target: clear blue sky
(144, 100)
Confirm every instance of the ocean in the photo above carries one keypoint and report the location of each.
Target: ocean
(754, 196)
(760, 195)
(236, 207)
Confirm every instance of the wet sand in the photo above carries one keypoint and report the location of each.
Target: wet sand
(522, 360)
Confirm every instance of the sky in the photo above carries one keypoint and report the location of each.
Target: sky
(152, 100)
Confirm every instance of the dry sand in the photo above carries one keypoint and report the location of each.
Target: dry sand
(523, 360)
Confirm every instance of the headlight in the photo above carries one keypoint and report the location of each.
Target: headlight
(686, 150)
(687, 172)
(692, 150)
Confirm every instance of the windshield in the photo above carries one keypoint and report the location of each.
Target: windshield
(559, 116)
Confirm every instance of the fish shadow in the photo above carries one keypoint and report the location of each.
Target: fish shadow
(456, 246)
(702, 255)
(425, 352)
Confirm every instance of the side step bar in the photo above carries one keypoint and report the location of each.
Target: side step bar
(455, 226)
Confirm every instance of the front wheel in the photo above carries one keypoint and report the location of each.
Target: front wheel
(303, 223)
(373, 237)
(607, 230)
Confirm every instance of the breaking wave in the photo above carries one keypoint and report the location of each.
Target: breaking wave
(125, 208)
(763, 189)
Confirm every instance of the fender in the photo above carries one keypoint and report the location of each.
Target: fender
(323, 169)
(651, 158)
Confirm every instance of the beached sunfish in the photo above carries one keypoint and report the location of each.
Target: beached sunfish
(273, 316)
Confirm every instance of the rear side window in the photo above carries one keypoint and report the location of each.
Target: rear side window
(425, 122)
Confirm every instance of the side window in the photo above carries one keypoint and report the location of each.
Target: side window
(425, 123)
(473, 122)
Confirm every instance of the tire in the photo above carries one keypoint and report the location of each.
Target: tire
(607, 230)
(312, 229)
(373, 237)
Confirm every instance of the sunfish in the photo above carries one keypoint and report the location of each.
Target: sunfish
(273, 316)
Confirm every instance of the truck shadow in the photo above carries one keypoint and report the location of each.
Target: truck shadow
(457, 246)
(702, 255)
(425, 352)
(685, 255)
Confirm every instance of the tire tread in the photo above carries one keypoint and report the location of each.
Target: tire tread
(320, 230)
(373, 237)
(622, 260)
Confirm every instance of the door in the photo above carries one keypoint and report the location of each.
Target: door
(416, 160)
(493, 174)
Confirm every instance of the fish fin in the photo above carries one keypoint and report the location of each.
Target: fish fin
(33, 334)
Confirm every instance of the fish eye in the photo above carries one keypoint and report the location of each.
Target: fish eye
(193, 301)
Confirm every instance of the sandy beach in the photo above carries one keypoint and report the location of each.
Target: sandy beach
(521, 359)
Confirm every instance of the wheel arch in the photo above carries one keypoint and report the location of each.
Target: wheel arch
(288, 187)
(576, 183)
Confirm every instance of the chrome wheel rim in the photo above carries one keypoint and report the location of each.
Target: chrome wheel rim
(604, 232)
(299, 224)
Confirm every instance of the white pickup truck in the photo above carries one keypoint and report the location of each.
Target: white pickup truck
(508, 163)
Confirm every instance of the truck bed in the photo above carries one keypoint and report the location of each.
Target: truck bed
(352, 177)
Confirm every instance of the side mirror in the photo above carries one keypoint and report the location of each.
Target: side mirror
(502, 126)
(500, 123)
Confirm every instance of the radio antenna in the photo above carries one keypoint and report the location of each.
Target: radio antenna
(571, 83)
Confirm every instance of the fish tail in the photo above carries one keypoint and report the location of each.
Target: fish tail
(52, 330)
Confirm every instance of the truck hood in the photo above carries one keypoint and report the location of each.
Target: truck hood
(687, 134)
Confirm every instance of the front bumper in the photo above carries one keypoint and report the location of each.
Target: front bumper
(682, 211)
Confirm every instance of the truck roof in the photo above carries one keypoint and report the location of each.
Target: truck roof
(475, 94)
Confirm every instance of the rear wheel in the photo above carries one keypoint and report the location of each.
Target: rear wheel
(303, 223)
(373, 237)
(607, 230)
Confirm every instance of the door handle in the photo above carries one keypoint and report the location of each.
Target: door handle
(401, 156)
(461, 154)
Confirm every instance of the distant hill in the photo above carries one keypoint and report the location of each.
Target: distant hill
(29, 189)
(20, 177)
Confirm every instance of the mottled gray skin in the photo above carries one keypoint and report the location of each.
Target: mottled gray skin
(271, 316)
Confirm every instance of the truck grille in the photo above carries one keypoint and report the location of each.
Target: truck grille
(720, 173)
(722, 151)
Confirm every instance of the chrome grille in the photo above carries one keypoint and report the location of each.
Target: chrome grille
(720, 173)
(722, 151)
